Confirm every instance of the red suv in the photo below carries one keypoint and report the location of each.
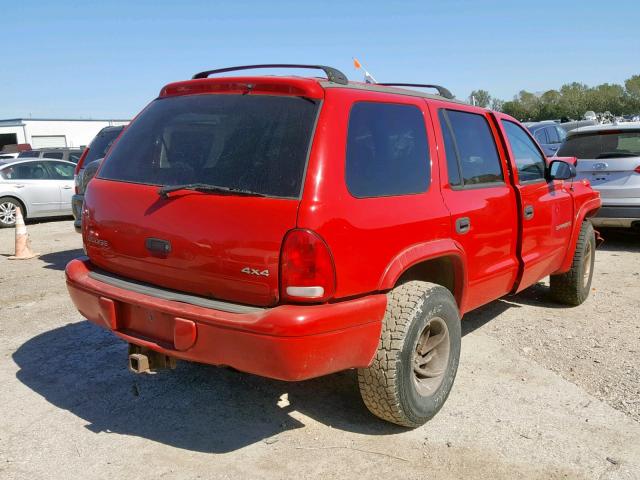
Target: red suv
(293, 227)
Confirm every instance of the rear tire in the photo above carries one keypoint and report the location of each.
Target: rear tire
(572, 288)
(8, 207)
(417, 358)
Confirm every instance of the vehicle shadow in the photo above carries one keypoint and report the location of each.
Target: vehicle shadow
(620, 240)
(82, 368)
(59, 260)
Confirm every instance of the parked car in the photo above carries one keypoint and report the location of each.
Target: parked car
(40, 187)
(67, 154)
(609, 157)
(293, 227)
(548, 134)
(87, 167)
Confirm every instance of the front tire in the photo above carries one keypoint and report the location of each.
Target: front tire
(572, 288)
(417, 358)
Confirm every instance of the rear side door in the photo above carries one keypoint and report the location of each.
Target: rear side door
(33, 183)
(62, 174)
(546, 208)
(481, 201)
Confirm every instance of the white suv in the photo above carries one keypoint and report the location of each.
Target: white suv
(609, 157)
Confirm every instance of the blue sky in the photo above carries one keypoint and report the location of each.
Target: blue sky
(108, 59)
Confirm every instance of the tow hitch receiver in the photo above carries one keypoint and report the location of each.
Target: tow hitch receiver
(144, 360)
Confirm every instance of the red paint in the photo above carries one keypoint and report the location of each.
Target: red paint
(355, 249)
(287, 342)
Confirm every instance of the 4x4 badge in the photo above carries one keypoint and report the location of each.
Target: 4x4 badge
(255, 271)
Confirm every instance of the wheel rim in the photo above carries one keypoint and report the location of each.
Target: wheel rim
(431, 356)
(588, 252)
(7, 213)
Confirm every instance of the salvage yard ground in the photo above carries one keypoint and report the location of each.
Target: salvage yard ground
(542, 392)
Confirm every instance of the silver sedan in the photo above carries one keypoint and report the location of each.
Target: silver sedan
(40, 187)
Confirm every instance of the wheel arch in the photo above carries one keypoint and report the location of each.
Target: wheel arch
(22, 203)
(587, 210)
(439, 261)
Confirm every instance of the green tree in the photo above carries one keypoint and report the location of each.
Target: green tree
(482, 98)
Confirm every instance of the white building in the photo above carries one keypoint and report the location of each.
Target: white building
(45, 132)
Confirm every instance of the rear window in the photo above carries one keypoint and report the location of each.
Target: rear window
(249, 142)
(602, 145)
(100, 145)
(470, 144)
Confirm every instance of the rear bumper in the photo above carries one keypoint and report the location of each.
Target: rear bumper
(617, 216)
(76, 207)
(287, 342)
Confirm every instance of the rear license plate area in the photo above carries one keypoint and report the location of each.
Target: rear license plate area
(147, 323)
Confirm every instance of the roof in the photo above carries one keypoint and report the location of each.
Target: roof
(12, 161)
(20, 121)
(631, 126)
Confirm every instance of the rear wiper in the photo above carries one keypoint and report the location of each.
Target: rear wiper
(203, 187)
(617, 154)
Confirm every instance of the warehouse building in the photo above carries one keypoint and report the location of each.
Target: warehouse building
(48, 132)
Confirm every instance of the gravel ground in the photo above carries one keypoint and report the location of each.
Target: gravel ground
(542, 392)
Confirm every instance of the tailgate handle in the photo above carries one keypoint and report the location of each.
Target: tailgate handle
(528, 212)
(463, 225)
(157, 246)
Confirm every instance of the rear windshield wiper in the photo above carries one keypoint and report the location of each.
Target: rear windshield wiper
(203, 187)
(617, 154)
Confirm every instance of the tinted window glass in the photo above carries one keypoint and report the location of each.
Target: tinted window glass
(61, 170)
(561, 133)
(74, 156)
(249, 142)
(29, 153)
(552, 134)
(602, 145)
(101, 143)
(475, 148)
(541, 136)
(450, 151)
(529, 161)
(56, 155)
(387, 152)
(29, 171)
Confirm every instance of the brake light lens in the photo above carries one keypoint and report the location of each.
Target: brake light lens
(637, 170)
(307, 271)
(81, 160)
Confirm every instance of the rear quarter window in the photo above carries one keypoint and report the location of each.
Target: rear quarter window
(387, 150)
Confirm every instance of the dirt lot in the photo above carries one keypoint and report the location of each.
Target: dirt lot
(542, 392)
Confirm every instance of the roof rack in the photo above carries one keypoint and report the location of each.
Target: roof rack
(333, 74)
(443, 92)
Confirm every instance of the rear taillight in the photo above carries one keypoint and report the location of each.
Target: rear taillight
(78, 168)
(637, 170)
(307, 273)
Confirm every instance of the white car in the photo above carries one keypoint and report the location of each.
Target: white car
(609, 157)
(40, 187)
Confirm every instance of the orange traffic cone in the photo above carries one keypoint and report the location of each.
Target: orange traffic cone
(23, 245)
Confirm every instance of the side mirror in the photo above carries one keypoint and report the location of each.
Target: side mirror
(561, 170)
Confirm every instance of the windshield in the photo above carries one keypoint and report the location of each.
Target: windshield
(602, 145)
(256, 143)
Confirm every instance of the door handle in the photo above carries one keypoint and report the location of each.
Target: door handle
(19, 185)
(67, 187)
(528, 212)
(463, 225)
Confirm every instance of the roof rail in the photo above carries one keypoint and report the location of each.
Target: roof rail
(443, 92)
(333, 74)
